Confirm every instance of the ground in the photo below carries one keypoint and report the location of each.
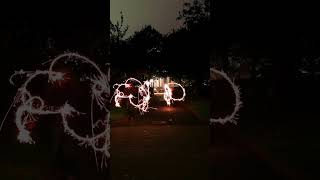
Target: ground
(170, 142)
(173, 143)
(165, 143)
(160, 152)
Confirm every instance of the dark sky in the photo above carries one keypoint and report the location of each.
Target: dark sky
(74, 25)
(161, 14)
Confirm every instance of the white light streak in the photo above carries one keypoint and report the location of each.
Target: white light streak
(143, 96)
(232, 118)
(167, 96)
(27, 106)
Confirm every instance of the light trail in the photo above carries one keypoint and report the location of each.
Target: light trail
(232, 118)
(27, 106)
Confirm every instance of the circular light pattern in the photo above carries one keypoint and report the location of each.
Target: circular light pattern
(143, 97)
(143, 94)
(167, 96)
(234, 115)
(27, 106)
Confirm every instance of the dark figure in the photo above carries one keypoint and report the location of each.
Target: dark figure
(130, 112)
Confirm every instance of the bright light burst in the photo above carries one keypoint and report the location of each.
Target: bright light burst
(234, 115)
(27, 106)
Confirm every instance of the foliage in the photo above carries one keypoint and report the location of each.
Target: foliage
(118, 30)
(147, 40)
(195, 14)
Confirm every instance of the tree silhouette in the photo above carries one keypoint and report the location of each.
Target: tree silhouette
(195, 13)
(146, 46)
(118, 45)
(118, 30)
(146, 39)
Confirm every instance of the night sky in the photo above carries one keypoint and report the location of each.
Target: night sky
(161, 14)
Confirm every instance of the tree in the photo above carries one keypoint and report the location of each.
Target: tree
(146, 46)
(147, 39)
(118, 30)
(118, 45)
(195, 14)
(186, 50)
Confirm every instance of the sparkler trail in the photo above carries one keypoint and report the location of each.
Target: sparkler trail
(234, 115)
(168, 93)
(28, 106)
(144, 92)
(143, 97)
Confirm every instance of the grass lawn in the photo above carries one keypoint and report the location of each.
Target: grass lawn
(201, 107)
(117, 113)
(160, 152)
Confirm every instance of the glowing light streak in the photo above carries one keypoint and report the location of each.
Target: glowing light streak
(144, 92)
(29, 106)
(159, 93)
(234, 115)
(167, 96)
(143, 96)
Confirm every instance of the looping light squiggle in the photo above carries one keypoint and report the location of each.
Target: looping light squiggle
(232, 118)
(30, 106)
(143, 96)
(144, 92)
(168, 93)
